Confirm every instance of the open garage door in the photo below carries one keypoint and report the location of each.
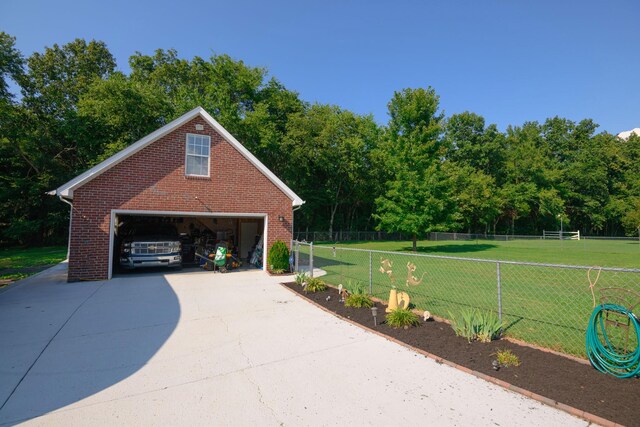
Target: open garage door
(141, 239)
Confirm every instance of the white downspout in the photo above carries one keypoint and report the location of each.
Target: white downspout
(70, 219)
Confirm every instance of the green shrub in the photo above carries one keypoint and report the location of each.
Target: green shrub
(315, 285)
(507, 358)
(278, 258)
(359, 301)
(355, 287)
(301, 278)
(401, 318)
(358, 296)
(475, 325)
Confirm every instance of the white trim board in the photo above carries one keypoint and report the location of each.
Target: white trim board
(66, 190)
(116, 212)
(188, 213)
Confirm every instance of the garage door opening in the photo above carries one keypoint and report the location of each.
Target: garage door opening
(146, 241)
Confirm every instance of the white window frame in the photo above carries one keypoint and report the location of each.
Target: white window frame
(186, 154)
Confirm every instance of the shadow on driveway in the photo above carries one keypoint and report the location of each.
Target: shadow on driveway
(62, 342)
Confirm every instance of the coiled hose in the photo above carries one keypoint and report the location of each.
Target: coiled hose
(603, 356)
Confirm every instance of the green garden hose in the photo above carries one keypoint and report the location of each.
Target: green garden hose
(603, 356)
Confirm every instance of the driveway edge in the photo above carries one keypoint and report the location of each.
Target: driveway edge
(26, 280)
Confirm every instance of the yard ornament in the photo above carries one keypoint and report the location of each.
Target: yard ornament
(411, 280)
(397, 300)
(393, 301)
(385, 268)
(403, 300)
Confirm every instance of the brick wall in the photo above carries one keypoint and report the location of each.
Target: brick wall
(154, 179)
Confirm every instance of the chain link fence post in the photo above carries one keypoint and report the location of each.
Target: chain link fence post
(296, 264)
(499, 292)
(370, 274)
(311, 259)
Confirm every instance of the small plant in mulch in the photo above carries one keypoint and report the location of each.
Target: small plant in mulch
(359, 301)
(402, 318)
(300, 278)
(462, 324)
(488, 326)
(315, 285)
(358, 297)
(506, 358)
(477, 325)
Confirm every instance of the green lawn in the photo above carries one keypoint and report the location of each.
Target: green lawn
(547, 306)
(603, 253)
(17, 263)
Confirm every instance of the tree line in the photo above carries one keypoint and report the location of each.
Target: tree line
(422, 171)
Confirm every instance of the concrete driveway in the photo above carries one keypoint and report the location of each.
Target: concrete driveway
(197, 348)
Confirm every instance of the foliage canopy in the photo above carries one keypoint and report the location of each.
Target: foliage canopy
(422, 171)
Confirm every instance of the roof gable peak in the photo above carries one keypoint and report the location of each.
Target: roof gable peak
(66, 190)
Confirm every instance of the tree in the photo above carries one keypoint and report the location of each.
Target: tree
(119, 111)
(226, 88)
(329, 153)
(631, 220)
(470, 143)
(264, 128)
(587, 180)
(530, 170)
(416, 197)
(11, 64)
(48, 141)
(476, 197)
(477, 155)
(58, 77)
(11, 67)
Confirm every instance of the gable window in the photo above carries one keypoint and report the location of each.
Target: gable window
(198, 153)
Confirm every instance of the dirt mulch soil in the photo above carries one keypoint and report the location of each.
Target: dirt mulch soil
(556, 377)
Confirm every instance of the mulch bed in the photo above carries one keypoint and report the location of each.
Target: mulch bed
(550, 375)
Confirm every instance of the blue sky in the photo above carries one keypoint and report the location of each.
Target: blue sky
(509, 61)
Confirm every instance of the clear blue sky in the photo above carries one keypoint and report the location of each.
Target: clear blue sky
(510, 61)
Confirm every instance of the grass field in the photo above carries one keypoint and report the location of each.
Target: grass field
(547, 306)
(603, 253)
(18, 263)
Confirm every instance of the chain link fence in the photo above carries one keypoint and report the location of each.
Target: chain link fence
(544, 304)
(346, 236)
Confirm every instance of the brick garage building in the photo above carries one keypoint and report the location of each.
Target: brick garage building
(190, 171)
